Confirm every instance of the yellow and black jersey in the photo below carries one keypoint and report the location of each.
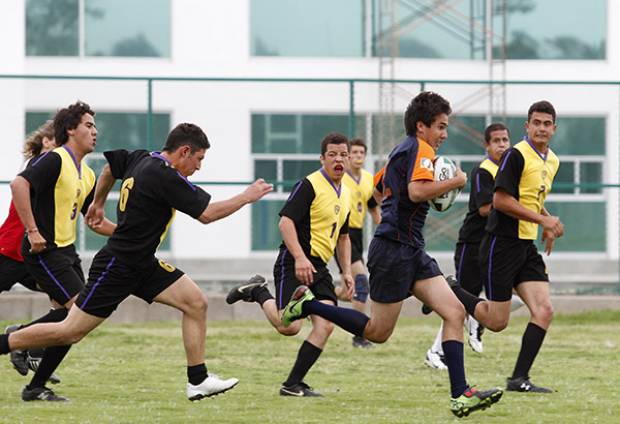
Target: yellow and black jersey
(320, 211)
(151, 192)
(482, 181)
(361, 197)
(527, 175)
(60, 188)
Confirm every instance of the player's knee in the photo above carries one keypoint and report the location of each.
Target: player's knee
(497, 324)
(198, 305)
(544, 313)
(361, 288)
(291, 330)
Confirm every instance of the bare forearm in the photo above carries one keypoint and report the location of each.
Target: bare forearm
(507, 204)
(104, 185)
(421, 191)
(376, 215)
(106, 228)
(343, 248)
(20, 189)
(219, 210)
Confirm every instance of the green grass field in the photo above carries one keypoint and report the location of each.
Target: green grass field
(136, 373)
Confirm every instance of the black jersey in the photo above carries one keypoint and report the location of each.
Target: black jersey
(151, 191)
(60, 187)
(482, 182)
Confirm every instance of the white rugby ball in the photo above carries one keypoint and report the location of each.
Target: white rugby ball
(444, 170)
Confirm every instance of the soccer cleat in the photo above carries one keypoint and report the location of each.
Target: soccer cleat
(17, 357)
(299, 390)
(475, 331)
(210, 386)
(244, 291)
(41, 393)
(33, 365)
(361, 342)
(435, 360)
(473, 400)
(523, 384)
(293, 310)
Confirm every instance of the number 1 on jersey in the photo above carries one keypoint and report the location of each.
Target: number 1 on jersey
(127, 185)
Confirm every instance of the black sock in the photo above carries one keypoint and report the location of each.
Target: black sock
(261, 294)
(348, 319)
(530, 345)
(453, 355)
(54, 315)
(36, 352)
(306, 357)
(468, 300)
(4, 344)
(52, 357)
(196, 374)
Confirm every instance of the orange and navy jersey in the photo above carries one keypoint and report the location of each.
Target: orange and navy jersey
(402, 219)
(11, 235)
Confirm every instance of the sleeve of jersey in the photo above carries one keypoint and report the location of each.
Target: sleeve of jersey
(89, 199)
(184, 196)
(378, 180)
(345, 227)
(422, 167)
(119, 160)
(297, 206)
(483, 186)
(509, 172)
(372, 203)
(43, 171)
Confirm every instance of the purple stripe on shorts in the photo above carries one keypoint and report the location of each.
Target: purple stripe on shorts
(458, 272)
(281, 279)
(505, 160)
(52, 277)
(489, 285)
(99, 280)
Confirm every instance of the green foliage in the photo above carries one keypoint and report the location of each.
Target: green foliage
(136, 373)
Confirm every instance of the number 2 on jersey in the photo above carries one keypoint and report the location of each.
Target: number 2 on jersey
(127, 185)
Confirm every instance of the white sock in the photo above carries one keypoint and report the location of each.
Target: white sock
(436, 347)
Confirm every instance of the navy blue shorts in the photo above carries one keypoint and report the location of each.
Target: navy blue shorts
(467, 267)
(395, 267)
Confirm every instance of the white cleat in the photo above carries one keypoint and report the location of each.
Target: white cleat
(475, 331)
(210, 386)
(515, 303)
(435, 360)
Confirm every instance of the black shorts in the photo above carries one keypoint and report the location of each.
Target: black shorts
(468, 267)
(286, 282)
(395, 267)
(57, 272)
(357, 247)
(12, 272)
(111, 281)
(507, 262)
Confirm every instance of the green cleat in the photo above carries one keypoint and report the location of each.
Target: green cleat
(293, 310)
(473, 400)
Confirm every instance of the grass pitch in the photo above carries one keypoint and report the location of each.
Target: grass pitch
(136, 374)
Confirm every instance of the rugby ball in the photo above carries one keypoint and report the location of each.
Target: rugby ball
(444, 170)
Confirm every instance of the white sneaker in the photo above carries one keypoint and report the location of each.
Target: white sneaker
(435, 360)
(210, 386)
(515, 303)
(475, 331)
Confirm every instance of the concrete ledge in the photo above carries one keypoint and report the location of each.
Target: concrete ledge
(26, 306)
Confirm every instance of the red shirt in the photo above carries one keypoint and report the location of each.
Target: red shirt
(11, 235)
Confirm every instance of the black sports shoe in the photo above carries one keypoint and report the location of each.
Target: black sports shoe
(361, 342)
(17, 357)
(41, 393)
(299, 390)
(426, 309)
(244, 291)
(523, 384)
(452, 282)
(33, 365)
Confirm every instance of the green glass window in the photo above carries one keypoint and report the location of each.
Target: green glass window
(584, 223)
(52, 28)
(318, 28)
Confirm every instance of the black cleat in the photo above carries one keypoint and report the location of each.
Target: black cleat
(299, 390)
(244, 292)
(361, 342)
(523, 384)
(426, 309)
(19, 358)
(41, 393)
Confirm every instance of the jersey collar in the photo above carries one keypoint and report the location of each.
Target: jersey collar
(491, 160)
(329, 180)
(543, 157)
(158, 155)
(78, 165)
(357, 180)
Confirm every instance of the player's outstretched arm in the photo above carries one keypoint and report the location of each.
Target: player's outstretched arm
(219, 210)
(20, 189)
(423, 190)
(504, 202)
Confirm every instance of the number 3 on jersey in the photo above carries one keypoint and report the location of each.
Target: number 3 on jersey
(127, 185)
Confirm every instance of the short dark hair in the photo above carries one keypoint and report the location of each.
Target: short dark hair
(186, 134)
(542, 106)
(69, 118)
(334, 138)
(358, 142)
(425, 107)
(497, 126)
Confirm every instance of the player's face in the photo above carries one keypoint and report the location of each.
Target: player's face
(436, 133)
(190, 162)
(48, 144)
(540, 128)
(357, 157)
(334, 159)
(85, 134)
(498, 144)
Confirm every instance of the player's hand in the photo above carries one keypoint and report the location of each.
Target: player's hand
(304, 271)
(37, 242)
(553, 224)
(94, 216)
(548, 238)
(460, 177)
(257, 190)
(349, 282)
